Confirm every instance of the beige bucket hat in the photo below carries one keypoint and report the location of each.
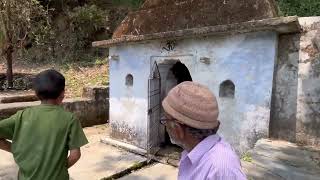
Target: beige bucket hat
(192, 104)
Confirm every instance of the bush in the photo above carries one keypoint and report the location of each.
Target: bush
(299, 7)
(86, 21)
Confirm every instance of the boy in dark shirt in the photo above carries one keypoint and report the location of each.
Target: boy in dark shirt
(42, 136)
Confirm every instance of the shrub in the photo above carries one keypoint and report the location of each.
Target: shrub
(299, 7)
(86, 21)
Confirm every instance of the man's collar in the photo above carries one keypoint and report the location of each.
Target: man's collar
(203, 147)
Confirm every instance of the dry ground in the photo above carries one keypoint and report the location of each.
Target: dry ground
(77, 75)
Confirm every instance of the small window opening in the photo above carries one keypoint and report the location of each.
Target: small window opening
(227, 89)
(129, 80)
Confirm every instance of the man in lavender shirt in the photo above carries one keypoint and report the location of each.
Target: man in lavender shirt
(192, 122)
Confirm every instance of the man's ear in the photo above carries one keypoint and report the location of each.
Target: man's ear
(180, 131)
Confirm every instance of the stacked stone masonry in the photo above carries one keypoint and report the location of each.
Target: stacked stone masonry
(295, 112)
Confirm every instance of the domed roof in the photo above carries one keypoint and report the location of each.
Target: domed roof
(157, 16)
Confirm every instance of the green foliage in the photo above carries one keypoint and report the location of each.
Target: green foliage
(75, 25)
(101, 61)
(246, 157)
(23, 20)
(299, 7)
(86, 21)
(70, 37)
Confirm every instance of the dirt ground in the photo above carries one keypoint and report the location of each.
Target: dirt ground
(77, 76)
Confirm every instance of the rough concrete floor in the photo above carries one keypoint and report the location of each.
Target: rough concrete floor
(276, 160)
(98, 160)
(155, 172)
(269, 160)
(8, 169)
(280, 160)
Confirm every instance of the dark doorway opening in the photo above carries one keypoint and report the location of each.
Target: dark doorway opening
(174, 73)
(164, 76)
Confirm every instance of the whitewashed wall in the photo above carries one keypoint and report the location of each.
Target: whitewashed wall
(246, 59)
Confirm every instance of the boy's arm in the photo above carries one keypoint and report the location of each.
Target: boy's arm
(77, 139)
(5, 145)
(7, 130)
(74, 157)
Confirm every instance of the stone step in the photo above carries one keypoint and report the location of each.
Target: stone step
(18, 98)
(291, 154)
(285, 170)
(157, 172)
(275, 145)
(281, 160)
(255, 172)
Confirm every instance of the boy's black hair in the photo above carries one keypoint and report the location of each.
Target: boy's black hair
(49, 84)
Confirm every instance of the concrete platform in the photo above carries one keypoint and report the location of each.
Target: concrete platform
(155, 172)
(22, 97)
(280, 160)
(8, 168)
(276, 160)
(98, 159)
(124, 146)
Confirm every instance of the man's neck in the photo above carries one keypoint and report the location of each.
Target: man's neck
(191, 144)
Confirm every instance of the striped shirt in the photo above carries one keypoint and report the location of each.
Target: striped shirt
(211, 159)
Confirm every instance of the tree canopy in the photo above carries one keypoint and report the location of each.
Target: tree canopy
(299, 7)
(20, 20)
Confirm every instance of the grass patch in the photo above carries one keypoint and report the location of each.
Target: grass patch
(79, 77)
(79, 74)
(246, 157)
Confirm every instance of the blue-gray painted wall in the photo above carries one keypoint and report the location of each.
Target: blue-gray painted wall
(246, 59)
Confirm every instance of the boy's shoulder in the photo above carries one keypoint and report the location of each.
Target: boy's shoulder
(40, 109)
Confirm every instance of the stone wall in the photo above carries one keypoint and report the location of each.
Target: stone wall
(308, 105)
(91, 109)
(295, 110)
(285, 88)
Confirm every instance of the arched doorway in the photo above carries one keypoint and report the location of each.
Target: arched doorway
(172, 72)
(177, 74)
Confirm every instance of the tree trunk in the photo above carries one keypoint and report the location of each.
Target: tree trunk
(9, 69)
(8, 49)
